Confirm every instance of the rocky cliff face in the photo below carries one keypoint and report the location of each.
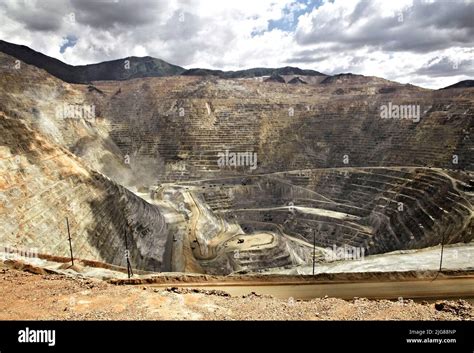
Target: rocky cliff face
(348, 124)
(42, 183)
(238, 174)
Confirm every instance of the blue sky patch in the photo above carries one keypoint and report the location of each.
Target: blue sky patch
(70, 42)
(291, 13)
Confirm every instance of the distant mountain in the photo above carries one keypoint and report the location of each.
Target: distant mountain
(340, 77)
(356, 79)
(203, 72)
(275, 78)
(255, 72)
(288, 70)
(132, 67)
(29, 56)
(461, 84)
(296, 81)
(122, 69)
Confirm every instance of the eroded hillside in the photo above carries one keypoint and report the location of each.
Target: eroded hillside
(42, 183)
(319, 163)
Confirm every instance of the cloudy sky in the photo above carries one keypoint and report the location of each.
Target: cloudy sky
(428, 43)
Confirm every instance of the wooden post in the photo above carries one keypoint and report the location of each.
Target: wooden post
(314, 250)
(70, 242)
(440, 259)
(127, 257)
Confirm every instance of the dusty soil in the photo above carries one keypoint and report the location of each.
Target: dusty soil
(32, 296)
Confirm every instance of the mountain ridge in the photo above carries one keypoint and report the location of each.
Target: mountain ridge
(120, 69)
(115, 70)
(147, 66)
(460, 84)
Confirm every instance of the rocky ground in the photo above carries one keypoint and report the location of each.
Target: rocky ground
(29, 296)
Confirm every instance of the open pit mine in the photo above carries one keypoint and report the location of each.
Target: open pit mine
(195, 171)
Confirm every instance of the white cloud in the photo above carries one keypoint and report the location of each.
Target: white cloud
(363, 36)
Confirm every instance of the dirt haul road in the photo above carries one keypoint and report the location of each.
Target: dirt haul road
(441, 288)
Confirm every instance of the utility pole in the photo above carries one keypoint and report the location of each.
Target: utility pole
(127, 256)
(70, 242)
(441, 258)
(314, 249)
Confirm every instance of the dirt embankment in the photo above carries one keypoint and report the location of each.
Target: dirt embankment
(288, 279)
(44, 296)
